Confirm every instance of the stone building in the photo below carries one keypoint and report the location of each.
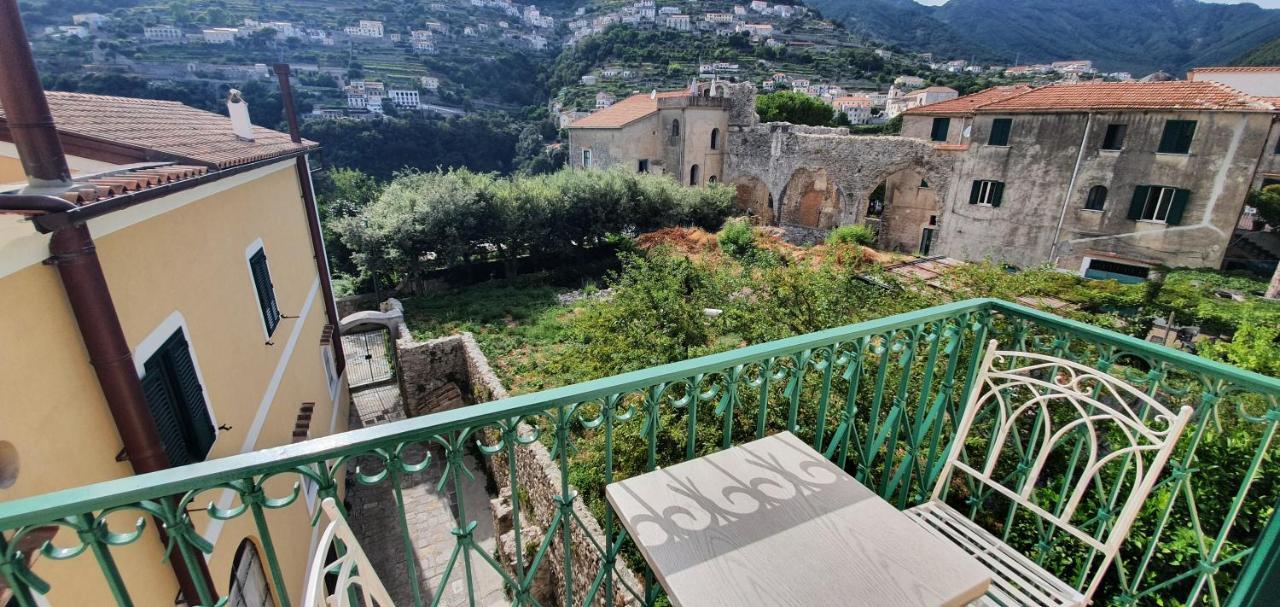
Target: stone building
(673, 133)
(1107, 179)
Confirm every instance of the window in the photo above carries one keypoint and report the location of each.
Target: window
(1114, 139)
(1159, 203)
(941, 128)
(1277, 150)
(1000, 128)
(1097, 198)
(693, 175)
(265, 290)
(586, 159)
(175, 399)
(1177, 137)
(711, 179)
(715, 139)
(924, 183)
(675, 128)
(249, 586)
(987, 192)
(642, 166)
(1109, 270)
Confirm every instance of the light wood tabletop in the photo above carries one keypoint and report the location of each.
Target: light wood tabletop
(772, 522)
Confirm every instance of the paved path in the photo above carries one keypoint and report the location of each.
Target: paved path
(431, 518)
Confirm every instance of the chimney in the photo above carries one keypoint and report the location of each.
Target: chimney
(239, 112)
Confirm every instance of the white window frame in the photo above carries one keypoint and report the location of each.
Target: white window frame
(329, 360)
(151, 344)
(985, 188)
(1158, 204)
(249, 252)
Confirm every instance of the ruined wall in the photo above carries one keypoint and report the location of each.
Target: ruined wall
(805, 168)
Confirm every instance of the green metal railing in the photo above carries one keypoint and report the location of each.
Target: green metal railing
(880, 398)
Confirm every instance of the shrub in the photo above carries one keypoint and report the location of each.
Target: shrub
(860, 235)
(737, 239)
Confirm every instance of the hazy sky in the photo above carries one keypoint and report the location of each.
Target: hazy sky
(1262, 3)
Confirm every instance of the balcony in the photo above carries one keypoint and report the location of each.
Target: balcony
(880, 399)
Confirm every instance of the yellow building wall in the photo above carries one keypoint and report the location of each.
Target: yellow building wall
(11, 170)
(190, 260)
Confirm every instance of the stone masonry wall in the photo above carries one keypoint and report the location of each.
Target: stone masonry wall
(423, 367)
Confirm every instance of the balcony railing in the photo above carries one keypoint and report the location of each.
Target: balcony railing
(879, 398)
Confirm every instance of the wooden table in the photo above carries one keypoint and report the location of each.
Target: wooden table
(774, 523)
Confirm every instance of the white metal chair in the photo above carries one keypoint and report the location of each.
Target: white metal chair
(352, 568)
(1073, 407)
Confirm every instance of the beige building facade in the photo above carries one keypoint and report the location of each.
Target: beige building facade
(678, 134)
(205, 244)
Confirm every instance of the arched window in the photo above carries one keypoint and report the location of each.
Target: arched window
(675, 128)
(248, 580)
(715, 139)
(693, 175)
(711, 179)
(1097, 198)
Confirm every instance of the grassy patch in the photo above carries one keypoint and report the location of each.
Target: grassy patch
(518, 323)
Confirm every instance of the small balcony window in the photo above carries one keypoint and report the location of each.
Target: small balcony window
(987, 192)
(1177, 137)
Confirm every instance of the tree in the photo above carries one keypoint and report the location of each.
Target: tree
(796, 108)
(1267, 202)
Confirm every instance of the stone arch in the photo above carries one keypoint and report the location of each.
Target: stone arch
(911, 203)
(810, 200)
(369, 319)
(695, 175)
(755, 200)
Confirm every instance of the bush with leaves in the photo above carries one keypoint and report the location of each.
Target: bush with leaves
(863, 235)
(737, 239)
(424, 221)
(796, 108)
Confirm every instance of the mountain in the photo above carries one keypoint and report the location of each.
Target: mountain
(1266, 54)
(1139, 36)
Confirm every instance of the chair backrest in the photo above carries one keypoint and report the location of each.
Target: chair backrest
(1058, 425)
(355, 575)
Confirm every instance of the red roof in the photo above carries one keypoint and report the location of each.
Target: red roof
(624, 112)
(1238, 68)
(969, 103)
(148, 129)
(1171, 95)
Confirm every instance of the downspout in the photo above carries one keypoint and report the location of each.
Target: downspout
(73, 253)
(303, 167)
(1071, 186)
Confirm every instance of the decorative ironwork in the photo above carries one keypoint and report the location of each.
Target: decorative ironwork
(882, 399)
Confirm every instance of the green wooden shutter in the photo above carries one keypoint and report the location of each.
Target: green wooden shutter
(1177, 137)
(1179, 206)
(997, 193)
(160, 402)
(1000, 129)
(941, 128)
(266, 291)
(975, 192)
(199, 425)
(1140, 195)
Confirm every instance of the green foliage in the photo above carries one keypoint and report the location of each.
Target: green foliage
(1267, 202)
(382, 147)
(854, 234)
(423, 221)
(737, 239)
(1254, 347)
(796, 108)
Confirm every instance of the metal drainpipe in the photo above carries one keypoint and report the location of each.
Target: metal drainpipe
(1071, 186)
(313, 217)
(73, 253)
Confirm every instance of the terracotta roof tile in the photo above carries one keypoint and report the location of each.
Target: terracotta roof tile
(101, 187)
(624, 112)
(968, 103)
(1171, 95)
(166, 127)
(1238, 68)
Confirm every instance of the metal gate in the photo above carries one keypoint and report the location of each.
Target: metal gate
(369, 358)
